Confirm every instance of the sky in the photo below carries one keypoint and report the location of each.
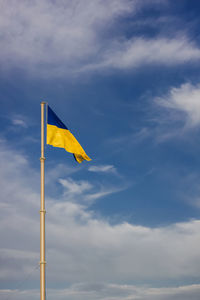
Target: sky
(123, 76)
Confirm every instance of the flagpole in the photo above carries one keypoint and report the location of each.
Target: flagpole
(42, 211)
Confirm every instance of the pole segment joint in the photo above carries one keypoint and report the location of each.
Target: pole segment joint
(42, 159)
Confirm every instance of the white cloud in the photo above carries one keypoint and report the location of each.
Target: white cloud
(64, 37)
(128, 54)
(47, 35)
(19, 122)
(102, 291)
(86, 191)
(73, 187)
(129, 292)
(184, 99)
(103, 169)
(83, 248)
(104, 191)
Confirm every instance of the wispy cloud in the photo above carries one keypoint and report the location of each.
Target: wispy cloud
(19, 122)
(64, 33)
(86, 191)
(103, 169)
(69, 38)
(73, 188)
(129, 54)
(105, 191)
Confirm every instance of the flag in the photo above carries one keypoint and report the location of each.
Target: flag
(58, 135)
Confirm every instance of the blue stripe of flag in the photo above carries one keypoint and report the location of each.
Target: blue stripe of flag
(52, 119)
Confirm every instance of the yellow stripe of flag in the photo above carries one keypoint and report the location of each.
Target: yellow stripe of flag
(58, 135)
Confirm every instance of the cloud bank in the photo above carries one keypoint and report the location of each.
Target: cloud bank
(84, 248)
(102, 291)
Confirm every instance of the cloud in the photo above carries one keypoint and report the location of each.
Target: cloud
(72, 37)
(101, 291)
(73, 187)
(86, 191)
(184, 99)
(104, 191)
(57, 171)
(82, 247)
(128, 54)
(19, 122)
(103, 169)
(63, 33)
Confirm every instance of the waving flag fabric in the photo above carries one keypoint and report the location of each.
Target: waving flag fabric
(58, 135)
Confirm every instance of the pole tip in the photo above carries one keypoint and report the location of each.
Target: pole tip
(43, 102)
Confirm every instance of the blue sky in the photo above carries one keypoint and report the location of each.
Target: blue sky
(123, 75)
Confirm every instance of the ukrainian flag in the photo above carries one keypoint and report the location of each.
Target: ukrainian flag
(58, 135)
